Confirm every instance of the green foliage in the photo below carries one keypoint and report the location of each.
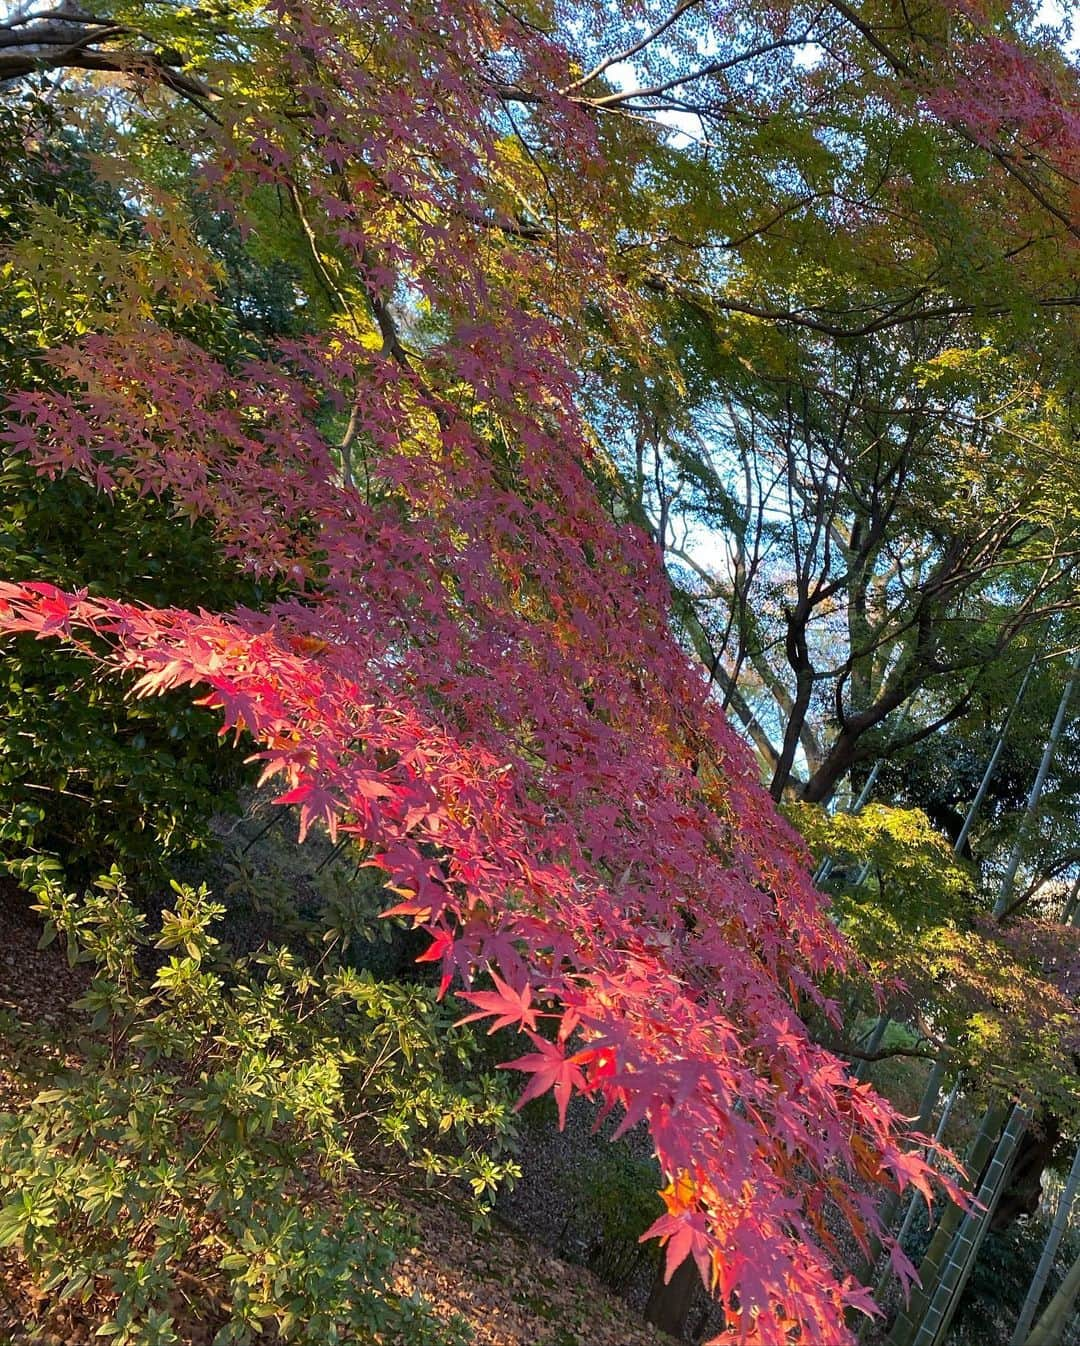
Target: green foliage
(220, 1128)
(618, 1198)
(953, 975)
(113, 779)
(893, 879)
(918, 882)
(314, 894)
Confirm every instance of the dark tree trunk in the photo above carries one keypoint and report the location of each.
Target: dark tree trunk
(1024, 1189)
(669, 1305)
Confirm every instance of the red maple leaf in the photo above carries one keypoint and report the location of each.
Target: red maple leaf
(685, 1234)
(512, 1008)
(550, 1068)
(316, 804)
(440, 950)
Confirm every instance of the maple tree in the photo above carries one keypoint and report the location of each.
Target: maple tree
(467, 667)
(860, 433)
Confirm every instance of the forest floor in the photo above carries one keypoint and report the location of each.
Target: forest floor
(509, 1291)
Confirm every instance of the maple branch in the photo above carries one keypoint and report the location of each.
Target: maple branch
(897, 316)
(899, 65)
(1024, 178)
(528, 24)
(730, 244)
(329, 284)
(920, 1051)
(69, 15)
(711, 660)
(712, 68)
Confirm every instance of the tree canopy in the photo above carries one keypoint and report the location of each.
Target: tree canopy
(418, 350)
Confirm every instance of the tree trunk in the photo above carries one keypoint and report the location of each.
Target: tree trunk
(1072, 907)
(799, 658)
(669, 1305)
(838, 762)
(1024, 1191)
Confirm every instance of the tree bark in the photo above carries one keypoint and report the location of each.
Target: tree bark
(669, 1304)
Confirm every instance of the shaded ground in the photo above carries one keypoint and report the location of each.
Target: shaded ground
(511, 1291)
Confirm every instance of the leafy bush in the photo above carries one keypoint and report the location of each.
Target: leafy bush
(314, 893)
(222, 1130)
(620, 1200)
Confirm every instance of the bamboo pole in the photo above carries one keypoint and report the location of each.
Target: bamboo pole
(991, 766)
(1049, 1252)
(965, 1246)
(940, 1303)
(1050, 1329)
(1035, 793)
(979, 1151)
(891, 1205)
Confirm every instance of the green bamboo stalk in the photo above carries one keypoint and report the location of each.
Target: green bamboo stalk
(862, 1069)
(991, 766)
(1049, 1252)
(1050, 1329)
(911, 1314)
(958, 1265)
(913, 1201)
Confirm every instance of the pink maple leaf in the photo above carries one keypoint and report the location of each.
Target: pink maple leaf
(685, 1234)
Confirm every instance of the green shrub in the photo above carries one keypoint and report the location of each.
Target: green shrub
(222, 1129)
(114, 780)
(619, 1191)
